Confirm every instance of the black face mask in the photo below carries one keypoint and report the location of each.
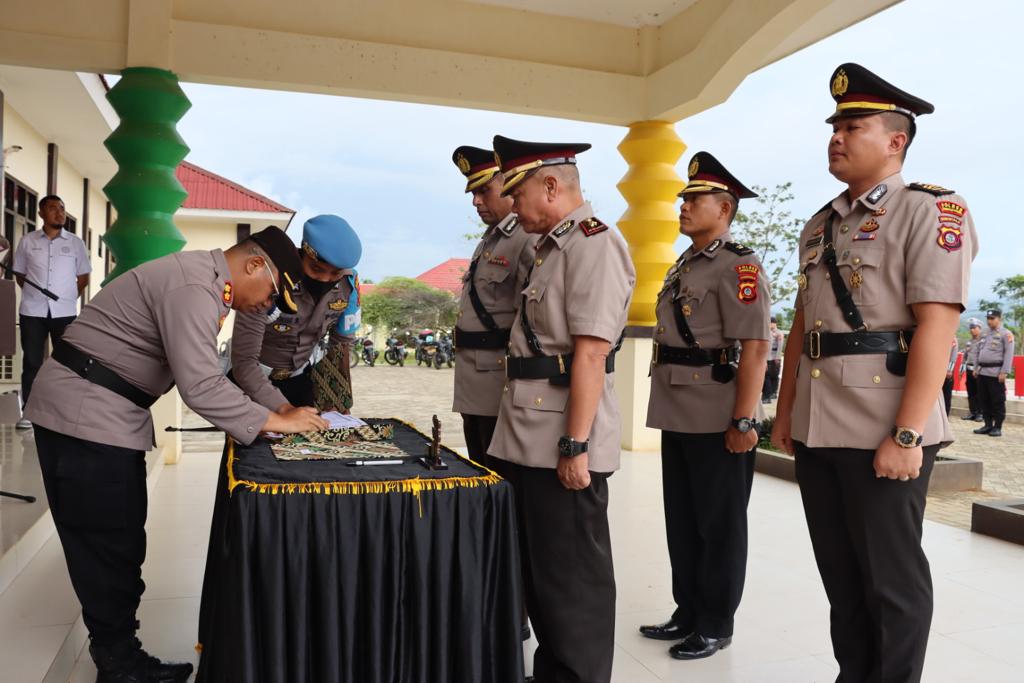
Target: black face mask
(315, 287)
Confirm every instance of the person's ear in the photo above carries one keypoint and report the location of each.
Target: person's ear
(898, 142)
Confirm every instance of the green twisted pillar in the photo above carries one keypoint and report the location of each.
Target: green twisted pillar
(148, 149)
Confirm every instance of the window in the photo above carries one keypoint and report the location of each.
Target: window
(71, 224)
(19, 212)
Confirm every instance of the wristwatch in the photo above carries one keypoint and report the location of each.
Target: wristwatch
(905, 437)
(569, 447)
(745, 424)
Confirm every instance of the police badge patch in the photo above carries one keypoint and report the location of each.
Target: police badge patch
(747, 286)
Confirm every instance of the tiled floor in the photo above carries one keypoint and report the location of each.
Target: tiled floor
(781, 629)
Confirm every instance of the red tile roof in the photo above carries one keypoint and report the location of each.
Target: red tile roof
(207, 190)
(446, 276)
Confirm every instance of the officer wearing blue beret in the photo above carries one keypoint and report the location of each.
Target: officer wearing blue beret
(273, 354)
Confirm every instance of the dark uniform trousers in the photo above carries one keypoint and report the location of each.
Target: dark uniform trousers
(97, 495)
(771, 379)
(992, 397)
(297, 390)
(947, 394)
(479, 430)
(568, 578)
(866, 534)
(973, 403)
(706, 489)
(34, 331)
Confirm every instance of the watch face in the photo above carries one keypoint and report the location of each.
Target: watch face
(743, 425)
(565, 447)
(906, 437)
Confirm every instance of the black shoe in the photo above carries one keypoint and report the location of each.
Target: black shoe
(979, 418)
(697, 646)
(983, 430)
(529, 679)
(996, 431)
(127, 662)
(670, 630)
(972, 417)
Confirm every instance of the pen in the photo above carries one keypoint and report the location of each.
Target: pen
(360, 463)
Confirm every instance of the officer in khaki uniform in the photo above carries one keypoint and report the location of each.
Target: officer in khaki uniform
(884, 273)
(705, 396)
(487, 305)
(272, 355)
(995, 357)
(558, 432)
(967, 367)
(151, 328)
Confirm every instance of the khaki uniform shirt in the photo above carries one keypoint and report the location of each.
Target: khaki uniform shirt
(154, 324)
(504, 257)
(579, 286)
(722, 308)
(852, 401)
(995, 347)
(287, 343)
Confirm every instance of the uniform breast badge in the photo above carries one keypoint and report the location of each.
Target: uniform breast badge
(856, 280)
(338, 305)
(281, 327)
(801, 281)
(870, 226)
(747, 286)
(687, 309)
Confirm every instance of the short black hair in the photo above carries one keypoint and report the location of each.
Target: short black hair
(48, 198)
(898, 123)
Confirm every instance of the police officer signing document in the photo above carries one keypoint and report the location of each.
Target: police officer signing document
(705, 397)
(272, 355)
(884, 271)
(487, 305)
(558, 433)
(150, 329)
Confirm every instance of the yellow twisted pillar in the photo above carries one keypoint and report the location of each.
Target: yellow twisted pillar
(650, 226)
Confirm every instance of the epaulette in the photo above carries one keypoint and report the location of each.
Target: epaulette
(510, 228)
(738, 249)
(931, 189)
(591, 226)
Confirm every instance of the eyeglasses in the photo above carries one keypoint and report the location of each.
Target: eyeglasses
(273, 280)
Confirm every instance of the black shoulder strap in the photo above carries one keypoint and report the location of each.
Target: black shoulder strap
(684, 327)
(739, 249)
(843, 297)
(474, 298)
(936, 190)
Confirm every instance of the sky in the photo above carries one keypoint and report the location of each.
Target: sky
(386, 166)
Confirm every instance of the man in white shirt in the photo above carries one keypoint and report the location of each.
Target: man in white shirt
(57, 260)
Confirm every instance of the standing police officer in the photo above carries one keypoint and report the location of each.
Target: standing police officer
(151, 328)
(884, 273)
(558, 432)
(771, 375)
(995, 355)
(967, 367)
(704, 398)
(487, 305)
(273, 355)
(947, 386)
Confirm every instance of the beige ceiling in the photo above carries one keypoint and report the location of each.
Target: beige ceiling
(610, 61)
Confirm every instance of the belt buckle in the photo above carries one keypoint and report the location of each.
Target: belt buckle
(814, 342)
(655, 354)
(507, 358)
(279, 374)
(561, 364)
(904, 348)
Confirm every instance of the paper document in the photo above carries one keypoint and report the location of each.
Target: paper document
(336, 420)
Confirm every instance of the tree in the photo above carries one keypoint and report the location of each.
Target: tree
(407, 303)
(772, 232)
(1012, 290)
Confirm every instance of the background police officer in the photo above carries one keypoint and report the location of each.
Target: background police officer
(151, 328)
(967, 366)
(704, 398)
(559, 429)
(884, 274)
(487, 304)
(995, 356)
(947, 386)
(273, 355)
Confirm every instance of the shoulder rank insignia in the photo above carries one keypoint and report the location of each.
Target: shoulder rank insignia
(747, 286)
(563, 228)
(936, 190)
(338, 305)
(228, 295)
(510, 228)
(498, 260)
(739, 249)
(592, 226)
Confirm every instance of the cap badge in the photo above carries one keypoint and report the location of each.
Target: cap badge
(840, 83)
(463, 163)
(694, 166)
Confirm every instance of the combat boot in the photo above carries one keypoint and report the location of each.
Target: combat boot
(126, 662)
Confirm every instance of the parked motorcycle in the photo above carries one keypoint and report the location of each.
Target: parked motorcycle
(445, 351)
(370, 354)
(396, 352)
(426, 348)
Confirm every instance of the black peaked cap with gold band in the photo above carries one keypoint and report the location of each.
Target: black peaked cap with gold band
(283, 252)
(706, 174)
(478, 165)
(858, 92)
(519, 160)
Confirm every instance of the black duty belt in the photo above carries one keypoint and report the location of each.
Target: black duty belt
(492, 339)
(825, 344)
(87, 367)
(555, 369)
(990, 365)
(694, 357)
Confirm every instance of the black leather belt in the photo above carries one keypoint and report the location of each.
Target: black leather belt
(990, 365)
(694, 357)
(555, 369)
(825, 344)
(87, 367)
(492, 339)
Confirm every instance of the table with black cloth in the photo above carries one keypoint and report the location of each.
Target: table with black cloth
(319, 572)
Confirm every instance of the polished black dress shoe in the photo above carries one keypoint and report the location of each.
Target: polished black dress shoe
(979, 418)
(528, 679)
(995, 431)
(983, 430)
(970, 417)
(670, 630)
(697, 646)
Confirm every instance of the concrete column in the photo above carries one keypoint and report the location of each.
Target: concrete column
(650, 226)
